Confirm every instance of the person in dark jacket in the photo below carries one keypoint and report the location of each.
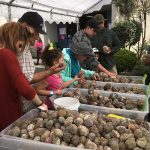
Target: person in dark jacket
(107, 42)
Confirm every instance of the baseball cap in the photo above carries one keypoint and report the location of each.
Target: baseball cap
(99, 18)
(34, 20)
(82, 48)
(92, 23)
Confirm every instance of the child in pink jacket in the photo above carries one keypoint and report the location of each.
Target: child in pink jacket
(53, 84)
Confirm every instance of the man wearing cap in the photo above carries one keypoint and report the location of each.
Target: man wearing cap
(107, 42)
(72, 57)
(35, 22)
(83, 36)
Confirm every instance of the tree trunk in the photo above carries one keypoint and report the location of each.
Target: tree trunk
(144, 35)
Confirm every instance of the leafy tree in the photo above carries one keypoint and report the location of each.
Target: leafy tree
(142, 10)
(129, 32)
(126, 7)
(135, 10)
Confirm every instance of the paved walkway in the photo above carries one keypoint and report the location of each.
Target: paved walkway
(38, 67)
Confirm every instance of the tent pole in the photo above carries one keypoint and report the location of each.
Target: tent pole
(11, 2)
(92, 6)
(15, 5)
(77, 23)
(9, 12)
(9, 9)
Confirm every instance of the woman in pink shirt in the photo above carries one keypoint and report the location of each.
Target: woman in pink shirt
(53, 84)
(39, 46)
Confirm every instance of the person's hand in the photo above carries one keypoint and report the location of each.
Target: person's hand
(58, 92)
(57, 68)
(82, 81)
(81, 74)
(77, 78)
(112, 75)
(106, 49)
(96, 76)
(43, 107)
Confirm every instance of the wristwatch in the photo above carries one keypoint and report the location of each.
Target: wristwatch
(51, 93)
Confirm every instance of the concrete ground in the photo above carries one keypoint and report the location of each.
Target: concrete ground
(39, 67)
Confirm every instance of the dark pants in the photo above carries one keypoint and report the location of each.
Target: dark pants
(38, 57)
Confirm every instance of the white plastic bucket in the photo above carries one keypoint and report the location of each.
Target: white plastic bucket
(67, 102)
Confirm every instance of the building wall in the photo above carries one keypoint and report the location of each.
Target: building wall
(148, 29)
(115, 17)
(51, 30)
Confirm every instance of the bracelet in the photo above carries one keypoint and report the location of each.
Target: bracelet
(40, 104)
(51, 93)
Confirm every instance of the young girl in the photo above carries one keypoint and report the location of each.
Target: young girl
(53, 84)
(96, 52)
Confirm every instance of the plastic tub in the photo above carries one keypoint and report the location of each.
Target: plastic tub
(145, 88)
(67, 102)
(136, 79)
(134, 97)
(122, 112)
(8, 142)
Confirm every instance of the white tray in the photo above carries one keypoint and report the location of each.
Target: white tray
(138, 79)
(145, 88)
(8, 142)
(113, 110)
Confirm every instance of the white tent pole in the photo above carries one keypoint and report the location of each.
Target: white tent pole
(9, 9)
(92, 6)
(77, 23)
(11, 2)
(9, 12)
(15, 5)
(45, 5)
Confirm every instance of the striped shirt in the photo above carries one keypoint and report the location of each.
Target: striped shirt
(27, 64)
(28, 69)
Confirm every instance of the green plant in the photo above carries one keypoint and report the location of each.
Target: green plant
(129, 32)
(125, 7)
(53, 44)
(141, 69)
(125, 60)
(135, 10)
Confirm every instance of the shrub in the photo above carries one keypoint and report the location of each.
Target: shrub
(125, 60)
(141, 69)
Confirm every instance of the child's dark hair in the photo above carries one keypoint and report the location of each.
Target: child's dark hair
(92, 24)
(49, 56)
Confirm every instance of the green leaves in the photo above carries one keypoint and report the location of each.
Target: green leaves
(126, 7)
(129, 32)
(125, 60)
(144, 78)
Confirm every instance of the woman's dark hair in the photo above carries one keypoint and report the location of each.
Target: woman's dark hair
(49, 56)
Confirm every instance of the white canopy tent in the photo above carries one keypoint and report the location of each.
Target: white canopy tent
(51, 10)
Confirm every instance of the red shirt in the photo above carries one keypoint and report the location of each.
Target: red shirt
(13, 84)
